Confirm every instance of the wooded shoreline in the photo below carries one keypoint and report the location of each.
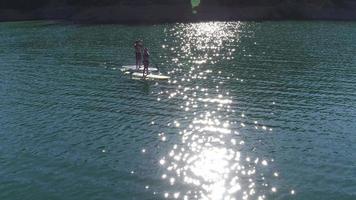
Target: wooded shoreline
(177, 13)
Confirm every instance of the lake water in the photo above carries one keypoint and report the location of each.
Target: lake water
(253, 110)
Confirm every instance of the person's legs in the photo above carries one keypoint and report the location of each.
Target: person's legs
(138, 60)
(144, 69)
(148, 63)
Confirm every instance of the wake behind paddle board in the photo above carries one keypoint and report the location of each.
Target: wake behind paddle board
(149, 76)
(133, 68)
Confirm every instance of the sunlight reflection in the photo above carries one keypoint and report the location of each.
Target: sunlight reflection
(207, 162)
(204, 160)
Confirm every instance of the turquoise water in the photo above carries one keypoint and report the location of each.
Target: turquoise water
(252, 111)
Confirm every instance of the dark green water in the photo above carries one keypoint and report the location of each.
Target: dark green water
(253, 111)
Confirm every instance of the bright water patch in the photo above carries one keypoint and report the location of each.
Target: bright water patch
(210, 160)
(253, 111)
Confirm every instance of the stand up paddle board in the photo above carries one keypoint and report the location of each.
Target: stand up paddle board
(149, 76)
(133, 68)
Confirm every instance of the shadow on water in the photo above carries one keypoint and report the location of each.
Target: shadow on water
(146, 86)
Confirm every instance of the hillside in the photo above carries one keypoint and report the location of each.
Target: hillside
(161, 11)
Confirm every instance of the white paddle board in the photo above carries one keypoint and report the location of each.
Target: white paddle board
(133, 68)
(149, 76)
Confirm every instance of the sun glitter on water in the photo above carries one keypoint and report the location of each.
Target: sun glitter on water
(208, 161)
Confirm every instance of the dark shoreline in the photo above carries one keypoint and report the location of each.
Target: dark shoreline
(156, 14)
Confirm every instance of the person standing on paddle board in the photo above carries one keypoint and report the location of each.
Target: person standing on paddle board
(138, 51)
(146, 62)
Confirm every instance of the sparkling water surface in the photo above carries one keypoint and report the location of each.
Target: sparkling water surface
(253, 110)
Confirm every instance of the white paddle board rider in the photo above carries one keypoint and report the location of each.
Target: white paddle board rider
(146, 62)
(138, 51)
